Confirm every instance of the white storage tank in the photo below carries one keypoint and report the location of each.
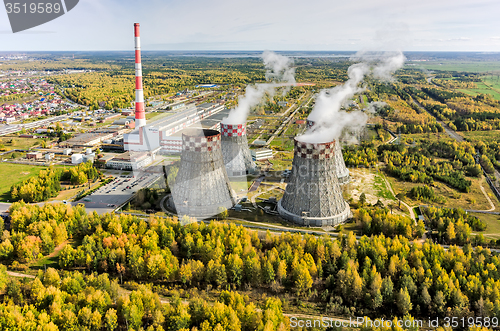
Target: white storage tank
(76, 158)
(89, 157)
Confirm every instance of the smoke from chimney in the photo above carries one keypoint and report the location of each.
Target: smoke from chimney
(329, 119)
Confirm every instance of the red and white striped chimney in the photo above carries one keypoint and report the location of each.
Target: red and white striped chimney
(140, 116)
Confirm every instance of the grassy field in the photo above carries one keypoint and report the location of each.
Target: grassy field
(256, 215)
(475, 199)
(485, 136)
(492, 81)
(15, 173)
(351, 226)
(70, 192)
(240, 185)
(365, 101)
(14, 142)
(370, 134)
(426, 137)
(493, 225)
(276, 193)
(280, 165)
(283, 144)
(484, 89)
(381, 187)
(467, 66)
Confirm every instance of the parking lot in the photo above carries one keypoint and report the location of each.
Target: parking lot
(118, 192)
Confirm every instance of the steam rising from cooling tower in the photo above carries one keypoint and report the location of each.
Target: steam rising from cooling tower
(201, 186)
(278, 70)
(329, 119)
(235, 150)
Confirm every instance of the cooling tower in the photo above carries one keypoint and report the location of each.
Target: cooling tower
(313, 195)
(202, 184)
(235, 151)
(342, 171)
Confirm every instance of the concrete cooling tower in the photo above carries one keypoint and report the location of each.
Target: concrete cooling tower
(313, 195)
(342, 171)
(202, 184)
(235, 151)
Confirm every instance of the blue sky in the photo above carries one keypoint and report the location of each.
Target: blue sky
(424, 25)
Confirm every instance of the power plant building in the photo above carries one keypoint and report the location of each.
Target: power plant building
(126, 162)
(262, 154)
(164, 135)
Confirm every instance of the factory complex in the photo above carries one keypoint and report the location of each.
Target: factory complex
(215, 168)
(213, 154)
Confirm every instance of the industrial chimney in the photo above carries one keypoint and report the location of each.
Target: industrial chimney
(342, 171)
(313, 195)
(140, 116)
(202, 185)
(235, 151)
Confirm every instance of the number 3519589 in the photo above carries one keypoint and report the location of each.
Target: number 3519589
(471, 322)
(33, 8)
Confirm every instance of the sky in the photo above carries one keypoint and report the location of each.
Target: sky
(313, 25)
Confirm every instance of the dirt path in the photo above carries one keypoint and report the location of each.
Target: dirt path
(254, 197)
(16, 274)
(410, 209)
(487, 197)
(162, 299)
(54, 253)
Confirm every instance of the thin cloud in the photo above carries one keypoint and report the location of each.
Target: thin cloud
(262, 24)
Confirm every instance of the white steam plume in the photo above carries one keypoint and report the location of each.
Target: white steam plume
(329, 119)
(279, 70)
(279, 67)
(375, 105)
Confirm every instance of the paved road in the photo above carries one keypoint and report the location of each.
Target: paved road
(482, 211)
(288, 119)
(9, 129)
(4, 207)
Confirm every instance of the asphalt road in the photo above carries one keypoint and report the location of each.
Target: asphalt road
(9, 129)
(4, 206)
